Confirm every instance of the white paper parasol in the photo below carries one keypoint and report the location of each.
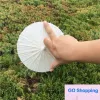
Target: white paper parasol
(31, 49)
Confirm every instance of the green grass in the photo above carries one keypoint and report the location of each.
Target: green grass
(79, 18)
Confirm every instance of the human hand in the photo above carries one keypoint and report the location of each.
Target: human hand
(63, 47)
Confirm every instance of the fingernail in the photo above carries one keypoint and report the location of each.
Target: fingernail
(45, 21)
(51, 70)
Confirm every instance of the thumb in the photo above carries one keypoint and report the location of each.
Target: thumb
(55, 64)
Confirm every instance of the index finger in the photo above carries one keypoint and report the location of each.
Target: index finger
(49, 30)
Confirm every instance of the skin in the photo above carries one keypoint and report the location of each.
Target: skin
(66, 48)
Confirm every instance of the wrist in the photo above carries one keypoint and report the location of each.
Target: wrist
(82, 51)
(77, 52)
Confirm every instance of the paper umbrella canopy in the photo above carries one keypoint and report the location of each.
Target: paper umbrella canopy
(31, 49)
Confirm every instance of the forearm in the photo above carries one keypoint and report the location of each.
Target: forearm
(88, 51)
